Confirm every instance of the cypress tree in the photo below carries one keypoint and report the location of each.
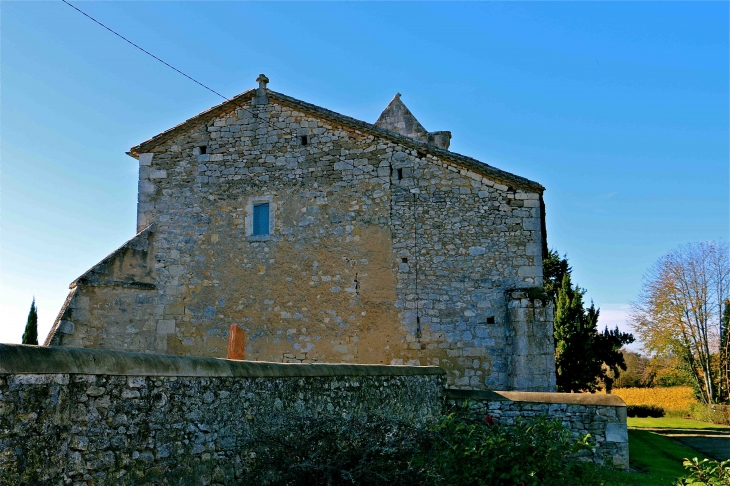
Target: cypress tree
(30, 336)
(575, 334)
(581, 351)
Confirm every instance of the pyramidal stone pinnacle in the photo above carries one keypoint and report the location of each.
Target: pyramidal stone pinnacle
(398, 118)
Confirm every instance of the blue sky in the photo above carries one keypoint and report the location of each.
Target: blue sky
(619, 109)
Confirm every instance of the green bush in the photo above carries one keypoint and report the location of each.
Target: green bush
(715, 413)
(457, 451)
(705, 473)
(532, 452)
(303, 450)
(644, 411)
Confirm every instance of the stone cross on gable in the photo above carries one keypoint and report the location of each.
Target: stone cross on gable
(261, 98)
(262, 80)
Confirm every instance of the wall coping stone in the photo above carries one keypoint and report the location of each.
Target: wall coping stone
(538, 397)
(27, 359)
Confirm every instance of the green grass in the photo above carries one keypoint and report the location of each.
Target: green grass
(657, 456)
(655, 460)
(672, 423)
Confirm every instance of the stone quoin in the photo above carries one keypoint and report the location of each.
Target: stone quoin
(325, 239)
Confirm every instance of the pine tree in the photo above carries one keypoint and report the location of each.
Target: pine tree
(30, 336)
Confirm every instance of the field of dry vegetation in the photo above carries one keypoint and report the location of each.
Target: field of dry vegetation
(675, 400)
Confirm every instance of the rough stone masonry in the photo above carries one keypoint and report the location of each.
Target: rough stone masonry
(325, 239)
(94, 417)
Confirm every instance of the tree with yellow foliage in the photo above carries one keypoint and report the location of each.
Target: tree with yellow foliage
(679, 312)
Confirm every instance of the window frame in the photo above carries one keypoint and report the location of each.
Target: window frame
(259, 201)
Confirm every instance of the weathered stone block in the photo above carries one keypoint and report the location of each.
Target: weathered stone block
(529, 271)
(166, 326)
(145, 159)
(617, 432)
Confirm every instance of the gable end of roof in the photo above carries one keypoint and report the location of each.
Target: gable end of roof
(507, 178)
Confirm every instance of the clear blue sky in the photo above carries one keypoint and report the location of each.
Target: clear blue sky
(619, 109)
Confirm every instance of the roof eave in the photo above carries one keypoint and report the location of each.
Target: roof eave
(151, 143)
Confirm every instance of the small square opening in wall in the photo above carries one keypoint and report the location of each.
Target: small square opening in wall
(305, 139)
(203, 149)
(404, 260)
(260, 219)
(490, 320)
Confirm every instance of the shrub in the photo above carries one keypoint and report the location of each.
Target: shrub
(705, 473)
(643, 411)
(532, 452)
(715, 413)
(302, 450)
(457, 451)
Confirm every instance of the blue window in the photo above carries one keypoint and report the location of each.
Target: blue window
(261, 219)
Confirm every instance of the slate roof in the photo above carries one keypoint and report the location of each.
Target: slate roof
(488, 171)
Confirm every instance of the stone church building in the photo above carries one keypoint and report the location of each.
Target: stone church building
(325, 239)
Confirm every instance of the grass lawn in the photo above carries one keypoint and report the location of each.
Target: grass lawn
(673, 423)
(657, 460)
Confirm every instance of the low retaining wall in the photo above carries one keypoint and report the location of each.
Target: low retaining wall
(601, 416)
(83, 416)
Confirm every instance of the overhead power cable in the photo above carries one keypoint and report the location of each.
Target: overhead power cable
(389, 182)
(143, 50)
(206, 87)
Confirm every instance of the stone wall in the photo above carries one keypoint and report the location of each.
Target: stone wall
(601, 416)
(382, 250)
(83, 417)
(90, 417)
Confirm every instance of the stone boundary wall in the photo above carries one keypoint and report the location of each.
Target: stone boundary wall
(91, 417)
(601, 416)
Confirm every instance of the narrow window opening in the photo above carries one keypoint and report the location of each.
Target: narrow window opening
(203, 149)
(490, 320)
(400, 174)
(305, 139)
(261, 219)
(404, 260)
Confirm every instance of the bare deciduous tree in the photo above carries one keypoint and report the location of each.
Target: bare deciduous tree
(679, 311)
